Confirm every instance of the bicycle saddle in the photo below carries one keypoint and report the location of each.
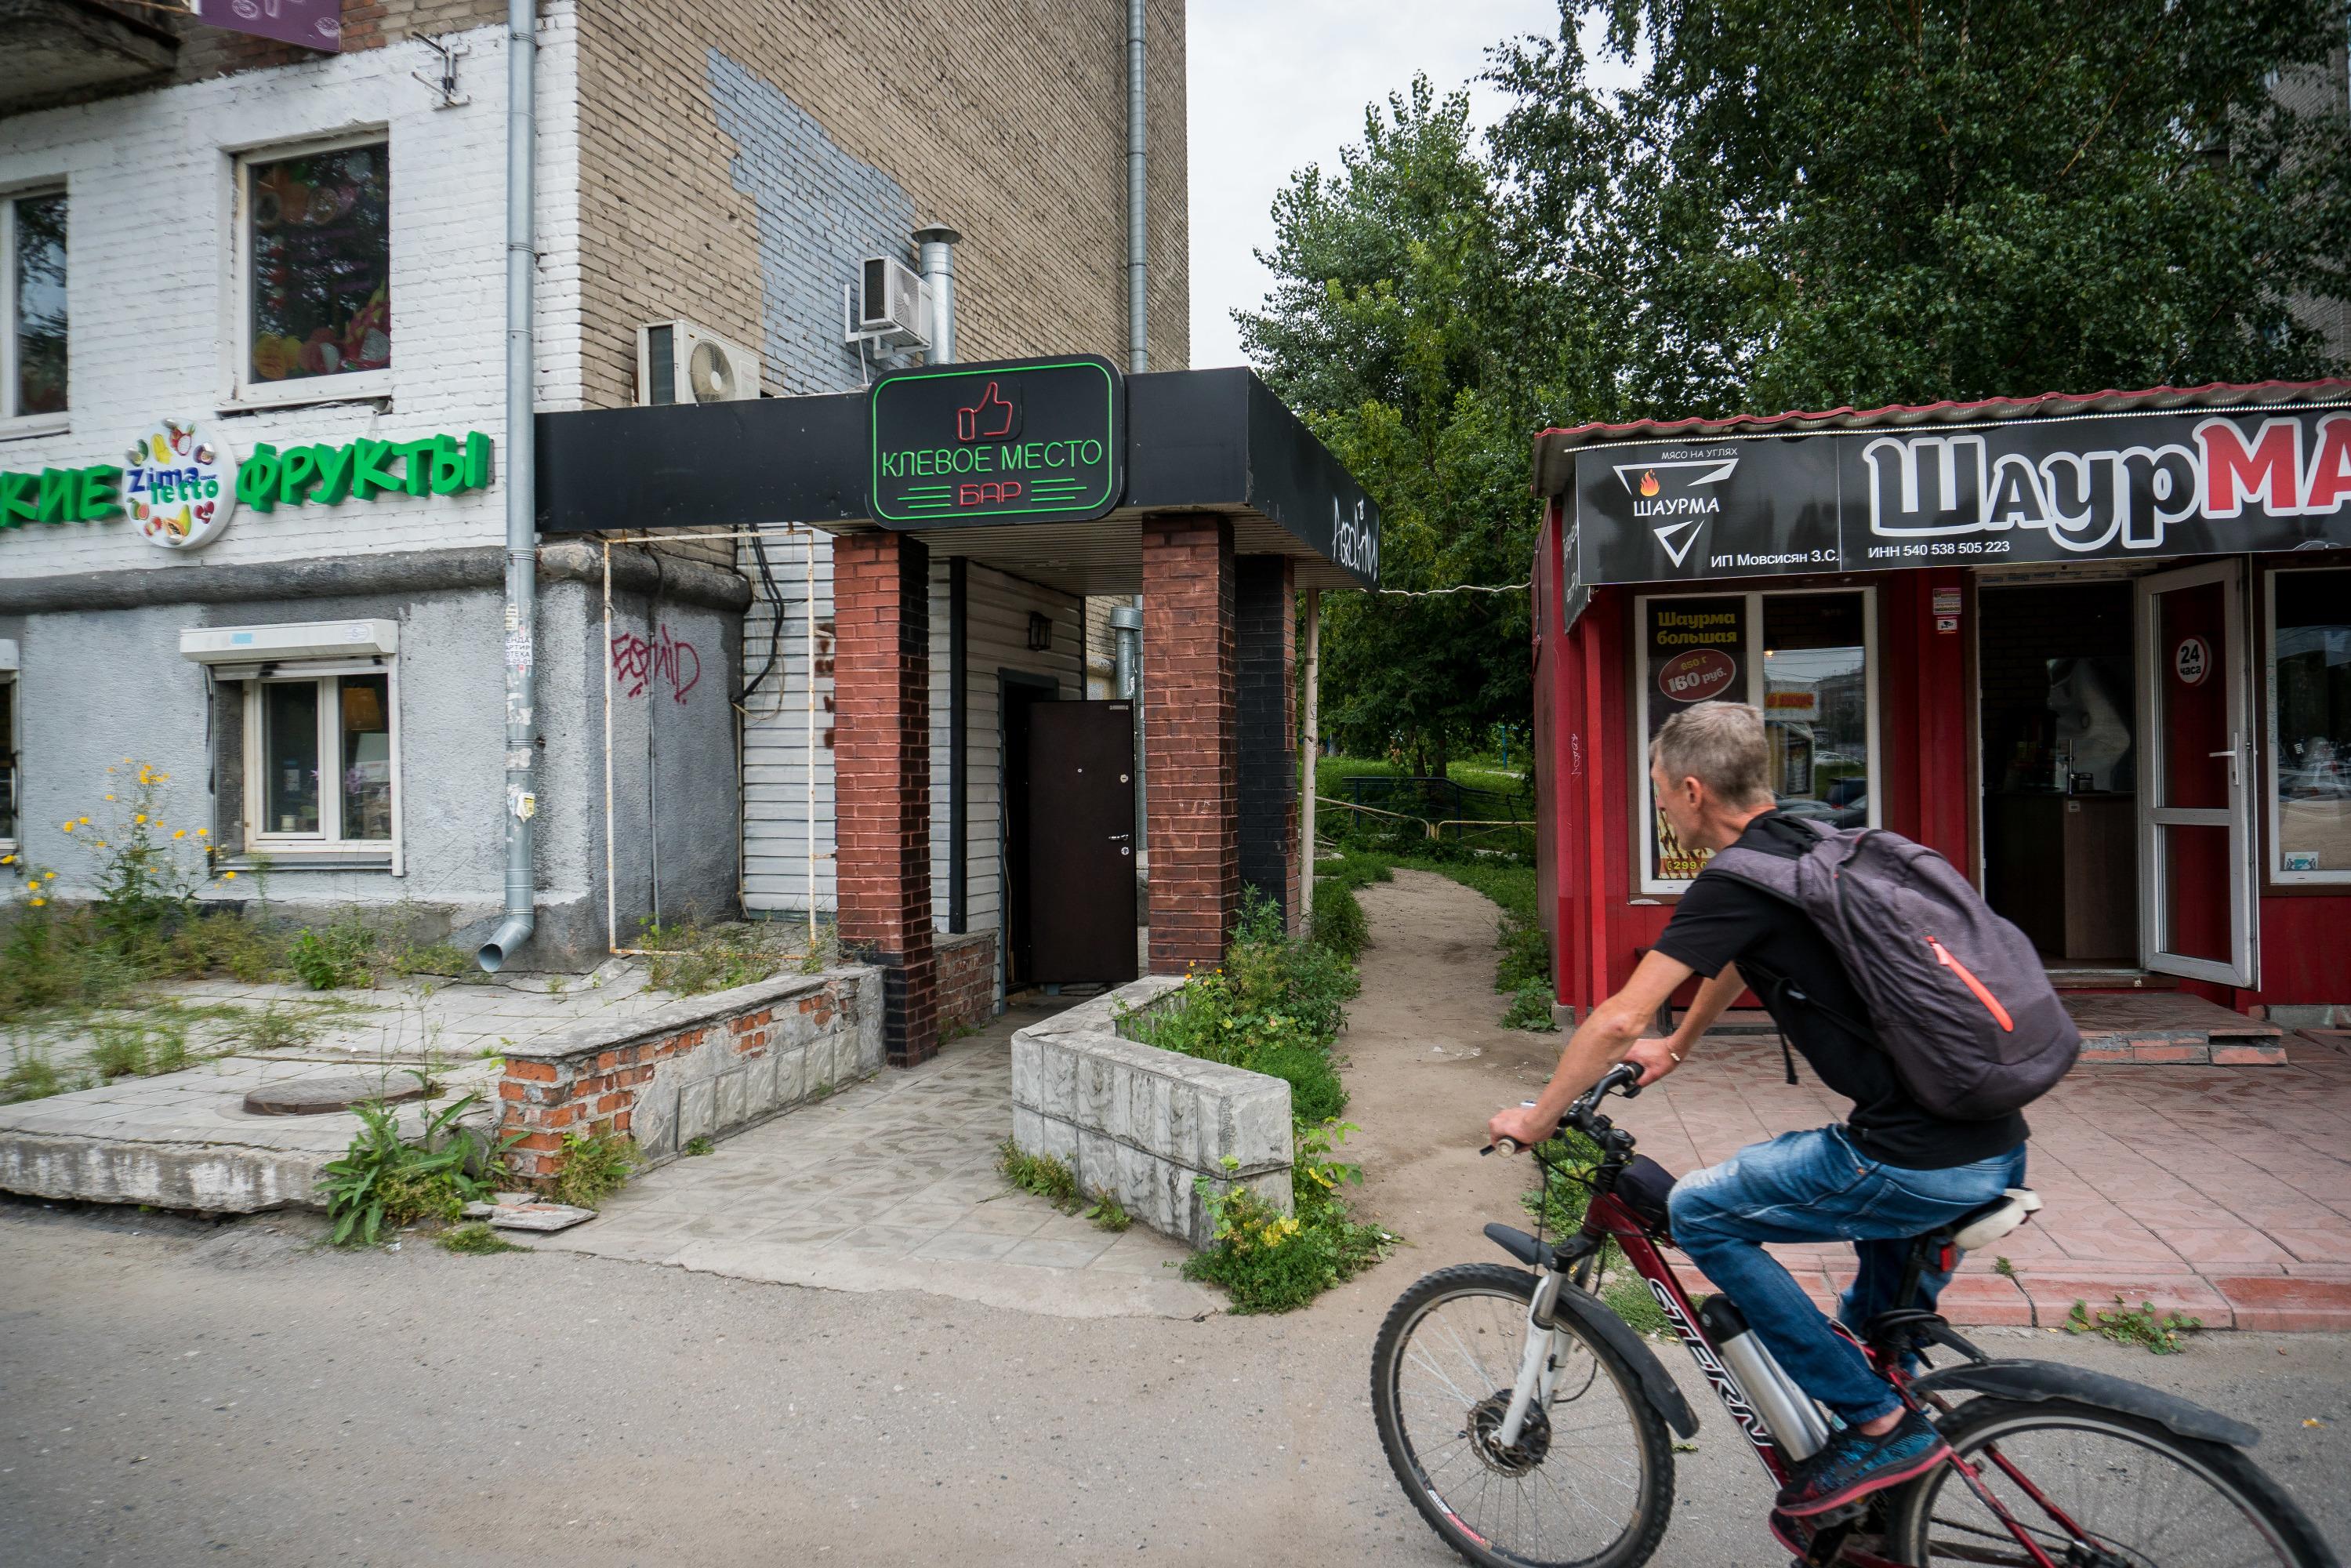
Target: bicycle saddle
(1982, 1227)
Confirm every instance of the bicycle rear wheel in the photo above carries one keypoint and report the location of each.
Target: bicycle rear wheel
(1590, 1484)
(2134, 1493)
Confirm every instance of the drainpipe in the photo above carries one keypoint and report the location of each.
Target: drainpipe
(1309, 749)
(522, 536)
(938, 243)
(1126, 635)
(1138, 309)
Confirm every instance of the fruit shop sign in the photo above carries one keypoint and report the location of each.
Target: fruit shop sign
(180, 486)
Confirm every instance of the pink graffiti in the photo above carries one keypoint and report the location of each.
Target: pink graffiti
(666, 661)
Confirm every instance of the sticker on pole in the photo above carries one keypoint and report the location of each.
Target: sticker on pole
(2191, 660)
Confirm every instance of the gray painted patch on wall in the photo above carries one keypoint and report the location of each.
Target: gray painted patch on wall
(821, 209)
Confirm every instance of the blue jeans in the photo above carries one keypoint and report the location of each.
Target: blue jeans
(1819, 1187)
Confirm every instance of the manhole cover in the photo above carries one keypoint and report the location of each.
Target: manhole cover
(339, 1092)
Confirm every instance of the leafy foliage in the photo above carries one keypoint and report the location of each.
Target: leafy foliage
(382, 1179)
(689, 958)
(595, 1165)
(2142, 1324)
(1275, 1262)
(341, 955)
(476, 1240)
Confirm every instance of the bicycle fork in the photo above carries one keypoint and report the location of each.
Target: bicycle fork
(1538, 1361)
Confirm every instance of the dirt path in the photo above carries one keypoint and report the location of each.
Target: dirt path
(1426, 1064)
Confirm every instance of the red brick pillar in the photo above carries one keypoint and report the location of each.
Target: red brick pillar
(882, 770)
(1189, 668)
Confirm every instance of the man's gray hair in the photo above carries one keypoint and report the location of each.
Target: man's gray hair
(1721, 745)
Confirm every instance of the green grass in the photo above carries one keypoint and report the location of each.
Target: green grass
(476, 1240)
(2142, 1325)
(1041, 1174)
(595, 1165)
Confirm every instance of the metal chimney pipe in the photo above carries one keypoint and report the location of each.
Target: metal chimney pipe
(1138, 265)
(522, 523)
(937, 244)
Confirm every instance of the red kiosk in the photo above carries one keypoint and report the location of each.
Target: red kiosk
(2096, 650)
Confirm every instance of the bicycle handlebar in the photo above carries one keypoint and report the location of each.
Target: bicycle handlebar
(1623, 1077)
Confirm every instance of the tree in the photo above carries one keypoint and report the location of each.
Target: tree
(1400, 331)
(1910, 200)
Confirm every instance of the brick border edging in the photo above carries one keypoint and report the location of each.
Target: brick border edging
(728, 1059)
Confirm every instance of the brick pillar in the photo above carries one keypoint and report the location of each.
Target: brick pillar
(1265, 624)
(882, 770)
(1188, 668)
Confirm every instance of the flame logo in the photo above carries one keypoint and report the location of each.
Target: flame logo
(1649, 482)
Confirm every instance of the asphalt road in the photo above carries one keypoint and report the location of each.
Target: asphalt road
(172, 1392)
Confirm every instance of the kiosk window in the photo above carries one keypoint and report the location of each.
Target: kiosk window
(1804, 659)
(2310, 726)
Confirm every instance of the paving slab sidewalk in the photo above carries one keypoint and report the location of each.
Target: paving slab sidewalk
(2220, 1192)
(892, 1184)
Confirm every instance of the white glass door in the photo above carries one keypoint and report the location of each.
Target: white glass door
(2196, 775)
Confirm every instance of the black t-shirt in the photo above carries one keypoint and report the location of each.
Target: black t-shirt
(1722, 920)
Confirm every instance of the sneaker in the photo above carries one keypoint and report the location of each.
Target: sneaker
(1854, 1464)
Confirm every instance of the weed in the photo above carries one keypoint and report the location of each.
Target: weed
(2001, 1265)
(2142, 1324)
(1338, 922)
(1109, 1213)
(1274, 1262)
(1043, 1175)
(338, 956)
(383, 1179)
(271, 1029)
(1525, 952)
(689, 958)
(476, 1240)
(595, 1164)
(431, 958)
(33, 1077)
(1530, 1009)
(556, 985)
(699, 1145)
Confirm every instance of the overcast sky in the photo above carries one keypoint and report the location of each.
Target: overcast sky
(1276, 86)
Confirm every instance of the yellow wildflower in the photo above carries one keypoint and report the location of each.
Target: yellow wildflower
(7, 860)
(70, 826)
(229, 875)
(179, 832)
(139, 816)
(204, 832)
(109, 796)
(83, 820)
(48, 876)
(36, 902)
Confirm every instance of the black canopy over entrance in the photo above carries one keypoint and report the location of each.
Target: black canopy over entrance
(1216, 442)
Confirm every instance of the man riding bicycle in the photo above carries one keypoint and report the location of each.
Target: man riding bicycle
(1892, 1171)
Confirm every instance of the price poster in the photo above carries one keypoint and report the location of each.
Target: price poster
(1695, 651)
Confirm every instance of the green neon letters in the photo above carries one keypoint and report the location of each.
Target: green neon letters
(362, 470)
(89, 495)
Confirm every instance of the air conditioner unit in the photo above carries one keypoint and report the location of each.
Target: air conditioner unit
(891, 305)
(678, 361)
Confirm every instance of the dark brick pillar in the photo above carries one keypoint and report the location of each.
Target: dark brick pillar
(882, 769)
(1188, 660)
(1265, 624)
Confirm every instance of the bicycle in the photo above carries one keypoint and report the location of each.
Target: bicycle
(1527, 1420)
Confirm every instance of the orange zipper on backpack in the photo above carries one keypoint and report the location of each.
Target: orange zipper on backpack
(1966, 978)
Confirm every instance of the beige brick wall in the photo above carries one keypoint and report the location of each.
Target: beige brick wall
(1006, 118)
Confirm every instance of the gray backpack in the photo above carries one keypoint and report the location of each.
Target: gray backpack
(1956, 995)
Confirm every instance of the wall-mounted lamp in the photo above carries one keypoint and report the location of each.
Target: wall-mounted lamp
(1040, 632)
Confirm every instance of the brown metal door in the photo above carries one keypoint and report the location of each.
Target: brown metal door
(1079, 836)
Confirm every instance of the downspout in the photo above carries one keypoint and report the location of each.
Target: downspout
(522, 537)
(1138, 309)
(1309, 748)
(936, 250)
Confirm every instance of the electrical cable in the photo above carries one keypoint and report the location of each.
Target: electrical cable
(1458, 587)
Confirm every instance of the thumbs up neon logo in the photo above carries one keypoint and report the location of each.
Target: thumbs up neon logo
(989, 419)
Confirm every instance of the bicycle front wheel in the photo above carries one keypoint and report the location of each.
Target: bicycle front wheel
(1588, 1483)
(2101, 1489)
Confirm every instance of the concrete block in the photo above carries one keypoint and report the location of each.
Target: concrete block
(791, 1076)
(698, 1111)
(654, 1120)
(733, 1090)
(760, 1071)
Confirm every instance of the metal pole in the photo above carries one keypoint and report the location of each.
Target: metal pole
(1309, 747)
(1138, 265)
(937, 244)
(808, 738)
(611, 900)
(522, 530)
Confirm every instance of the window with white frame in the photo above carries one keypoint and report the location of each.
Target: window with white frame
(319, 758)
(2310, 725)
(33, 306)
(1806, 658)
(314, 248)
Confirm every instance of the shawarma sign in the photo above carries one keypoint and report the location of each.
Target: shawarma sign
(2087, 488)
(181, 486)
